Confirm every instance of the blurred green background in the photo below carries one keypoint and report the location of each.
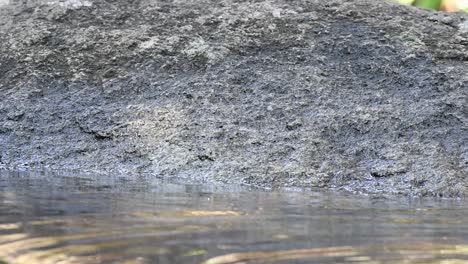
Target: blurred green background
(444, 5)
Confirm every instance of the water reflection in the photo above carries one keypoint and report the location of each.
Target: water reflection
(50, 218)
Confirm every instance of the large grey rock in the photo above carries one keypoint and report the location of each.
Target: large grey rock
(358, 95)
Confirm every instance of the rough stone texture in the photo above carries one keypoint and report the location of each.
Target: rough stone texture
(366, 96)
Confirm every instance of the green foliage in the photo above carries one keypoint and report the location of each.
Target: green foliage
(430, 4)
(3, 262)
(436, 4)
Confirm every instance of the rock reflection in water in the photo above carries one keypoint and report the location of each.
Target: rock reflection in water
(49, 218)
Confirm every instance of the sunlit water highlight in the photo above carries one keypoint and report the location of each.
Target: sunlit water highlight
(47, 218)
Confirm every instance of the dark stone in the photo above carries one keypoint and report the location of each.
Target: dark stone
(366, 96)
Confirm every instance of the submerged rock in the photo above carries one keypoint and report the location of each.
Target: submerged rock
(366, 96)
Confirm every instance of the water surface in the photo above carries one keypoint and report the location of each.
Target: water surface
(53, 218)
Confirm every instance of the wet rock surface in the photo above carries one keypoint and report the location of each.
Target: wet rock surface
(366, 96)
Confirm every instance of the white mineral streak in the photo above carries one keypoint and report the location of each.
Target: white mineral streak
(70, 3)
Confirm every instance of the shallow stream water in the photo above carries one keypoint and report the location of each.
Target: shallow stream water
(54, 218)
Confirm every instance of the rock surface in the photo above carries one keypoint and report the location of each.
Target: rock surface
(366, 96)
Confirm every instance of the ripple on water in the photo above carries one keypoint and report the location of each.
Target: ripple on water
(66, 219)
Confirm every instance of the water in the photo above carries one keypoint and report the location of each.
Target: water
(50, 218)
